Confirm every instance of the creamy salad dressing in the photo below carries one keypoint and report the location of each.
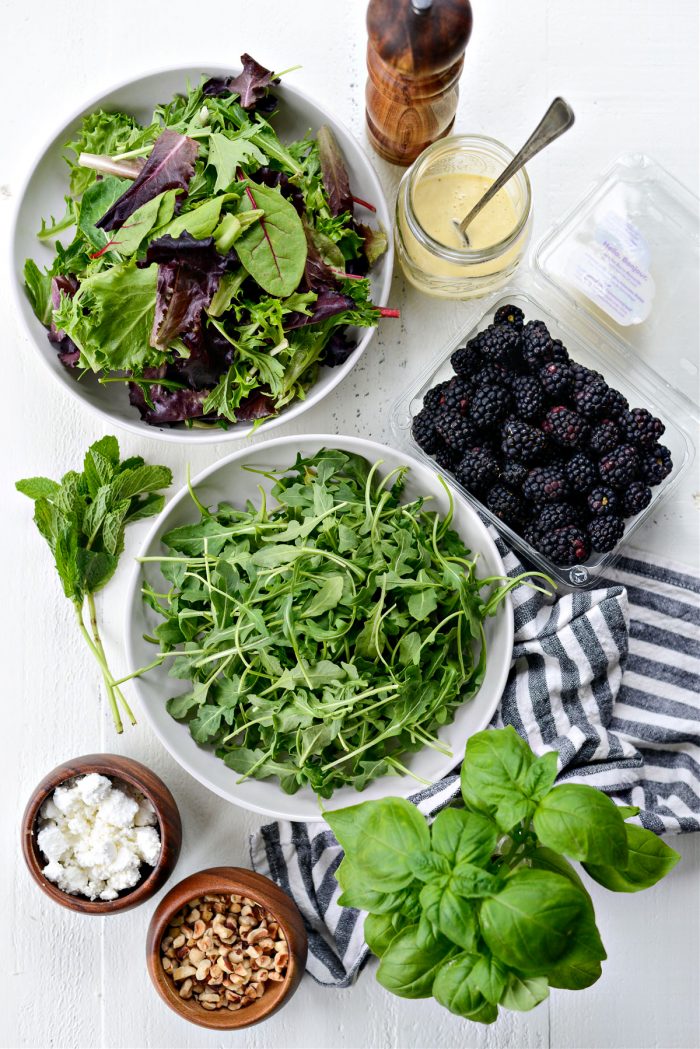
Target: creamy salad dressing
(438, 199)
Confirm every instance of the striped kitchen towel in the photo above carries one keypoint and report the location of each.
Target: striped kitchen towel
(610, 678)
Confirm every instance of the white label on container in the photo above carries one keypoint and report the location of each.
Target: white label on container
(612, 269)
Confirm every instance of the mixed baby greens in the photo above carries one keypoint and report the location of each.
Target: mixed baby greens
(82, 518)
(482, 908)
(327, 635)
(212, 267)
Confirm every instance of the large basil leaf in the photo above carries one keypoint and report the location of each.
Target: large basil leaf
(407, 969)
(273, 250)
(583, 823)
(449, 914)
(379, 932)
(458, 835)
(547, 860)
(489, 976)
(392, 833)
(454, 989)
(580, 966)
(494, 765)
(524, 993)
(649, 859)
(528, 925)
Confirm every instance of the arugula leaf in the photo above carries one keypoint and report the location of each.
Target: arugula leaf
(38, 288)
(83, 519)
(228, 154)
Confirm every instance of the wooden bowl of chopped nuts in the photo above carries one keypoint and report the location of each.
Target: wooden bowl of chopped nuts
(226, 948)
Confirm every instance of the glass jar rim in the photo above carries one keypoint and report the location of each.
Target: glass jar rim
(464, 256)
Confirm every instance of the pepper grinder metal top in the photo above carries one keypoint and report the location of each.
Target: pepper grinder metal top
(415, 55)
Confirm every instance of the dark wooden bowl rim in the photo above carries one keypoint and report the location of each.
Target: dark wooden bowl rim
(136, 775)
(226, 880)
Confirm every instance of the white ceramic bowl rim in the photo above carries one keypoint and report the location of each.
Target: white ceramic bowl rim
(391, 785)
(381, 275)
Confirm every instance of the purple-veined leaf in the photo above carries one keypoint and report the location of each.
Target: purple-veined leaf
(333, 172)
(250, 85)
(189, 272)
(170, 165)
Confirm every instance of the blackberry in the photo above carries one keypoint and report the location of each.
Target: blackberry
(546, 484)
(583, 375)
(531, 534)
(477, 470)
(505, 504)
(514, 474)
(432, 399)
(565, 546)
(604, 437)
(489, 406)
(537, 344)
(560, 354)
(565, 427)
(602, 501)
(498, 343)
(606, 532)
(492, 375)
(620, 466)
(445, 458)
(557, 379)
(592, 399)
(511, 315)
(456, 431)
(640, 427)
(581, 472)
(455, 396)
(656, 465)
(527, 397)
(466, 361)
(424, 432)
(617, 404)
(521, 441)
(557, 515)
(636, 498)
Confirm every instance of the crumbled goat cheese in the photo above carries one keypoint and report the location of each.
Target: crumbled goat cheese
(96, 837)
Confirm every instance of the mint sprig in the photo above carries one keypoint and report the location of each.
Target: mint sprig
(83, 518)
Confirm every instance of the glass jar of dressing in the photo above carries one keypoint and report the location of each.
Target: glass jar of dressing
(443, 184)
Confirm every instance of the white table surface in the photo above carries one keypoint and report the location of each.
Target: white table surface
(630, 70)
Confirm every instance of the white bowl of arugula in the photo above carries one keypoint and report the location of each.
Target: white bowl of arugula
(321, 615)
(220, 262)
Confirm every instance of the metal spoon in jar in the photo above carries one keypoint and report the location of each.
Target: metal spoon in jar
(558, 119)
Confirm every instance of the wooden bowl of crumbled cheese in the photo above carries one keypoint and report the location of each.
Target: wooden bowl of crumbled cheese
(101, 834)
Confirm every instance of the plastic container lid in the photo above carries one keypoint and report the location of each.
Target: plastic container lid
(617, 280)
(629, 254)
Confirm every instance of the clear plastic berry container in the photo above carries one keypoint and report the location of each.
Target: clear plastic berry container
(616, 280)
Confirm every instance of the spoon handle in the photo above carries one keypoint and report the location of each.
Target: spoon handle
(558, 119)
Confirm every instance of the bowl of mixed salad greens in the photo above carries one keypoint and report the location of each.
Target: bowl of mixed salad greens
(219, 258)
(320, 616)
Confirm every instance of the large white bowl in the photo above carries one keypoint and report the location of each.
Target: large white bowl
(43, 196)
(227, 481)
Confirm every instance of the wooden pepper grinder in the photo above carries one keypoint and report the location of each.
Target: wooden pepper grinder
(415, 55)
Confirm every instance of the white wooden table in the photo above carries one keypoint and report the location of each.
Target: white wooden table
(629, 69)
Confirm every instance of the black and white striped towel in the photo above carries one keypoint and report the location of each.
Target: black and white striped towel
(635, 735)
